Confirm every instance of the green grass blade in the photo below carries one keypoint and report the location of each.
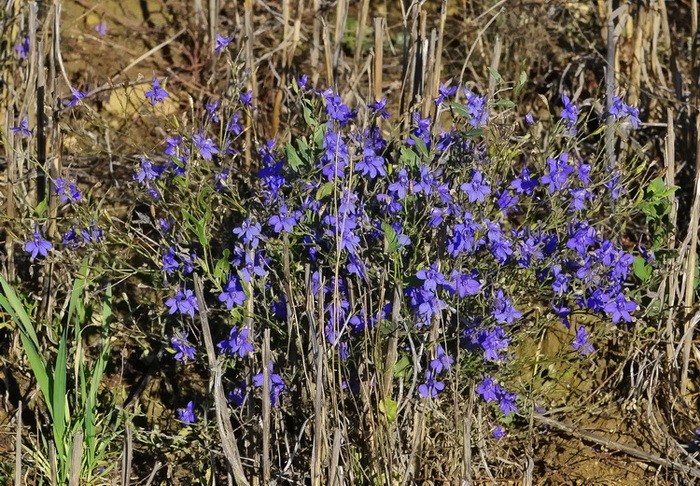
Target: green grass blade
(60, 400)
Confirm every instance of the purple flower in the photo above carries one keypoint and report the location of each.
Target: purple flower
(477, 188)
(211, 111)
(444, 92)
(23, 48)
(581, 342)
(77, 96)
(431, 277)
(442, 361)
(525, 184)
(619, 109)
(250, 233)
(67, 190)
(101, 28)
(487, 389)
(222, 42)
(183, 302)
(529, 119)
(570, 113)
(206, 146)
(431, 387)
(620, 308)
(378, 106)
(400, 186)
(284, 220)
(247, 98)
(148, 171)
(23, 128)
(233, 125)
(464, 284)
(302, 80)
(614, 185)
(491, 342)
(237, 343)
(184, 350)
(170, 263)
(335, 109)
(498, 433)
(559, 170)
(37, 246)
(233, 293)
(277, 384)
(187, 415)
(421, 130)
(371, 164)
(238, 394)
(503, 309)
(506, 401)
(156, 95)
(476, 107)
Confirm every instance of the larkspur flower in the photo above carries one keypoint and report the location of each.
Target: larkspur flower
(431, 387)
(378, 107)
(620, 109)
(238, 394)
(250, 233)
(157, 94)
(529, 118)
(181, 346)
(498, 433)
(302, 80)
(183, 302)
(559, 170)
(503, 309)
(581, 343)
(506, 400)
(620, 308)
(101, 28)
(491, 342)
(211, 109)
(247, 98)
(284, 220)
(477, 189)
(487, 389)
(23, 128)
(570, 113)
(277, 384)
(237, 343)
(207, 147)
(431, 277)
(77, 97)
(23, 48)
(442, 361)
(37, 246)
(222, 42)
(68, 190)
(444, 92)
(187, 415)
(476, 107)
(233, 293)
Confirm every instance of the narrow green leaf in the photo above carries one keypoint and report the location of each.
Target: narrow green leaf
(293, 157)
(325, 190)
(495, 74)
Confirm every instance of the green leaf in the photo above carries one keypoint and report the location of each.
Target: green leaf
(642, 269)
(421, 146)
(460, 109)
(401, 366)
(309, 117)
(223, 266)
(293, 157)
(40, 209)
(391, 237)
(408, 157)
(325, 190)
(495, 74)
(389, 407)
(521, 83)
(474, 132)
(504, 103)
